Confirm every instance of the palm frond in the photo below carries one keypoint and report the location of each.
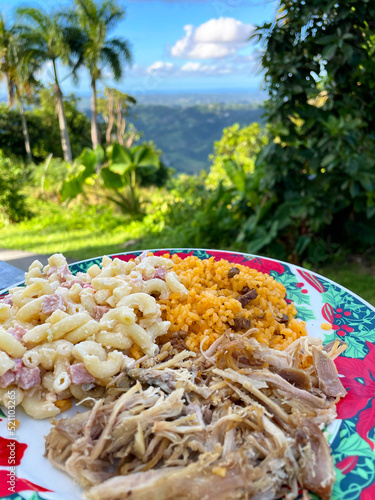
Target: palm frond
(109, 56)
(122, 47)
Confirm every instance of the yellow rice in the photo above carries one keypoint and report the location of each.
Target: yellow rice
(211, 306)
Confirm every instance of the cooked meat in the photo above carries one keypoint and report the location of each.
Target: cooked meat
(244, 290)
(178, 344)
(28, 377)
(316, 468)
(241, 324)
(53, 302)
(239, 421)
(248, 297)
(165, 379)
(296, 377)
(17, 331)
(282, 318)
(329, 382)
(80, 375)
(233, 272)
(99, 312)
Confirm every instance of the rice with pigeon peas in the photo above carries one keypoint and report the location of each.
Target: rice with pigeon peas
(213, 306)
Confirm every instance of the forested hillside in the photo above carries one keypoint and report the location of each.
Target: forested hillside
(186, 134)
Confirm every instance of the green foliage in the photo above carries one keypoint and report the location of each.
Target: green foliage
(50, 142)
(49, 175)
(318, 172)
(241, 145)
(119, 175)
(13, 176)
(43, 128)
(83, 170)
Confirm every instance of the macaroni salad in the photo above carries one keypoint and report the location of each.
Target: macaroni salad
(62, 335)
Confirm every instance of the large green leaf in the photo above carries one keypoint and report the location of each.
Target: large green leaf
(143, 156)
(236, 175)
(122, 160)
(111, 179)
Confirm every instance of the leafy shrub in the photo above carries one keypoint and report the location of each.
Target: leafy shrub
(13, 176)
(43, 127)
(238, 144)
(49, 175)
(317, 172)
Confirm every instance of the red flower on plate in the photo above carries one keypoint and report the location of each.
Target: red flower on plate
(359, 380)
(347, 464)
(7, 488)
(126, 258)
(229, 256)
(368, 493)
(266, 266)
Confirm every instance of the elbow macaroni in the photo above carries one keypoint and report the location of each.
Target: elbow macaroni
(91, 321)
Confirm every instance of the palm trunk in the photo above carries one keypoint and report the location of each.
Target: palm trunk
(24, 127)
(10, 91)
(94, 118)
(111, 119)
(65, 141)
(120, 137)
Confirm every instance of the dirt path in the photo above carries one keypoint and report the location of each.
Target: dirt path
(22, 260)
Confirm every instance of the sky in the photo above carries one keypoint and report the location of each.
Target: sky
(178, 45)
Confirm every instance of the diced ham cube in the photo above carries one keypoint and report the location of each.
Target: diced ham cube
(160, 273)
(28, 377)
(63, 272)
(19, 365)
(52, 302)
(7, 299)
(99, 312)
(80, 375)
(8, 378)
(70, 283)
(17, 331)
(51, 271)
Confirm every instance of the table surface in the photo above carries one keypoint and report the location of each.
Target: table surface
(9, 275)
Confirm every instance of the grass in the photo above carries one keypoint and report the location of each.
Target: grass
(82, 232)
(359, 278)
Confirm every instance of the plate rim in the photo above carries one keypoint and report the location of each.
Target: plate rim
(216, 250)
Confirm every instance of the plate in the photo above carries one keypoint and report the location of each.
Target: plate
(330, 311)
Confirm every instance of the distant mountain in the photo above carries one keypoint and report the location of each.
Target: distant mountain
(186, 135)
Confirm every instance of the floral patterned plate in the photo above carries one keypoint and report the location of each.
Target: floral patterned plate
(331, 312)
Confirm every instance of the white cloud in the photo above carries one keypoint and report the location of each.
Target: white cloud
(237, 65)
(213, 39)
(196, 67)
(160, 66)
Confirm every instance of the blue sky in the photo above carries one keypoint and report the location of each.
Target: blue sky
(180, 45)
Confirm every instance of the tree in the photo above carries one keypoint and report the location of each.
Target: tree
(97, 50)
(238, 144)
(17, 73)
(6, 35)
(114, 109)
(43, 127)
(318, 168)
(44, 37)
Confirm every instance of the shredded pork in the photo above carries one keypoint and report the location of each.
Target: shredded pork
(239, 421)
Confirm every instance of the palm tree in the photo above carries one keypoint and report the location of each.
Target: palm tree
(6, 35)
(43, 35)
(95, 21)
(18, 71)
